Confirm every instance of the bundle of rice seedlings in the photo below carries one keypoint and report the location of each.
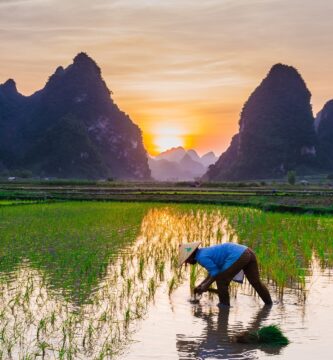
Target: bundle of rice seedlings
(270, 335)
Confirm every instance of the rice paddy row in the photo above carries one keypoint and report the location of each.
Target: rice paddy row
(313, 201)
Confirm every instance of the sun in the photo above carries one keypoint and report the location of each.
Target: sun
(167, 141)
(165, 136)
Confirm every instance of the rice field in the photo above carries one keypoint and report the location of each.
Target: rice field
(76, 278)
(16, 202)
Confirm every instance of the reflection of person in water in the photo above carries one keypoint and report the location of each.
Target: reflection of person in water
(223, 262)
(216, 340)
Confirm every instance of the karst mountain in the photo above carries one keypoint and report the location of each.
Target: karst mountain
(276, 131)
(70, 128)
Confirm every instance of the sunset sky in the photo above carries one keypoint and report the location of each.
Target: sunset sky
(181, 69)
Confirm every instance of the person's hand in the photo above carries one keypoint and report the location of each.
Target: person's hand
(198, 290)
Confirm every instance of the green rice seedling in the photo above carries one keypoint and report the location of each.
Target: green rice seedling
(193, 276)
(26, 357)
(101, 355)
(141, 267)
(103, 317)
(9, 347)
(41, 327)
(61, 354)
(53, 318)
(219, 235)
(2, 314)
(151, 287)
(129, 286)
(123, 269)
(69, 353)
(84, 338)
(160, 267)
(3, 333)
(108, 350)
(171, 285)
(139, 307)
(43, 346)
(127, 318)
(174, 262)
(90, 331)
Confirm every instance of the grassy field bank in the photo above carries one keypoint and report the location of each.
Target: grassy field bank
(317, 199)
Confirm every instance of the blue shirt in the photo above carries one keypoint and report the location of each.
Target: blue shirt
(218, 258)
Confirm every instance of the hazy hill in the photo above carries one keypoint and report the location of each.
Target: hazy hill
(194, 155)
(208, 159)
(190, 165)
(173, 154)
(276, 131)
(179, 164)
(165, 170)
(70, 128)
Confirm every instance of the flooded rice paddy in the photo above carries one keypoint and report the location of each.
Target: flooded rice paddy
(99, 281)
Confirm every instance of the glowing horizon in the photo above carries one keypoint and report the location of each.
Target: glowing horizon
(165, 142)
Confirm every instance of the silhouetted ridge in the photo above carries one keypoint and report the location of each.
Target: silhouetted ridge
(72, 128)
(9, 85)
(8, 89)
(276, 131)
(281, 72)
(324, 128)
(83, 61)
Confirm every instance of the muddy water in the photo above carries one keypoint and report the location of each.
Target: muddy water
(176, 329)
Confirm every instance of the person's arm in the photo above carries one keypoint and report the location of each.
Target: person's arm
(212, 269)
(204, 285)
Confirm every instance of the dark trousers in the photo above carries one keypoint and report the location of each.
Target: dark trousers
(248, 263)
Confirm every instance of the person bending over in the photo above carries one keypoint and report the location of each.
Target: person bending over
(223, 262)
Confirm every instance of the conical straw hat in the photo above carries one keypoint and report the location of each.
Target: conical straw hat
(185, 251)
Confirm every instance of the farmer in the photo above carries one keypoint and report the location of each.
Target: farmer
(223, 262)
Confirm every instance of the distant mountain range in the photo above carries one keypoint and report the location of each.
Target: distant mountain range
(70, 128)
(278, 133)
(178, 164)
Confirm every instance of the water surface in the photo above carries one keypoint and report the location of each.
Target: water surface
(176, 329)
(99, 280)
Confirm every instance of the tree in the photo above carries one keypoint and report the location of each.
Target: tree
(291, 177)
